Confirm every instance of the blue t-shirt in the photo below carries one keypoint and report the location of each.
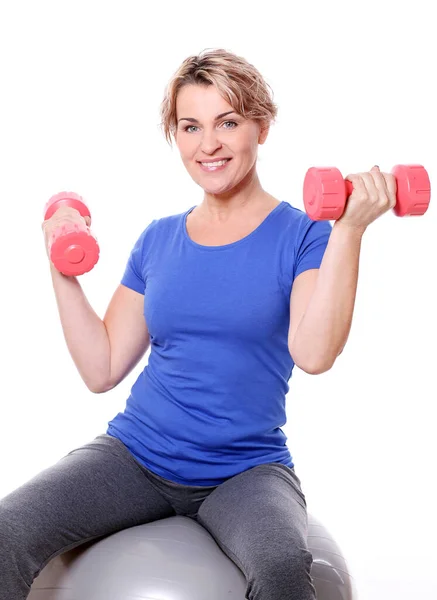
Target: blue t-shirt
(210, 403)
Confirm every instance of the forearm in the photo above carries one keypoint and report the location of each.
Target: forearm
(85, 333)
(325, 326)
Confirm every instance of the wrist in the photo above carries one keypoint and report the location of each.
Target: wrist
(350, 229)
(57, 275)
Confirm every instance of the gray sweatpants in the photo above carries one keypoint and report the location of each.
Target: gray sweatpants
(100, 488)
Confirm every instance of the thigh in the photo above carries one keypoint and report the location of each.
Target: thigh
(259, 519)
(93, 491)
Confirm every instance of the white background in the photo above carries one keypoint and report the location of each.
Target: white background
(81, 84)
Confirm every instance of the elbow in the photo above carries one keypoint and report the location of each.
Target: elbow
(313, 367)
(97, 387)
(316, 369)
(100, 381)
(316, 366)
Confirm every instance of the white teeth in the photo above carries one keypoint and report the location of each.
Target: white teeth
(215, 164)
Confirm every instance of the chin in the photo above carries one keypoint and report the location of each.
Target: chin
(216, 191)
(210, 188)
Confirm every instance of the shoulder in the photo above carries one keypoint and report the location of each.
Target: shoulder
(298, 225)
(169, 221)
(147, 232)
(159, 229)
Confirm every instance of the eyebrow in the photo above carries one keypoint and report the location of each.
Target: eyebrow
(191, 120)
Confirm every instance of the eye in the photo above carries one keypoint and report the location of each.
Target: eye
(233, 122)
(224, 123)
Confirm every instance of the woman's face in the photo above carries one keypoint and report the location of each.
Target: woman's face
(203, 136)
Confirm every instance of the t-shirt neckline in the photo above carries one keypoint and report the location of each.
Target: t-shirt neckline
(232, 244)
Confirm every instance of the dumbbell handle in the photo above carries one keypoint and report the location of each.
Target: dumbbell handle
(349, 187)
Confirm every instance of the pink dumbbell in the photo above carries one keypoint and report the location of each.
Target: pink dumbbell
(73, 250)
(325, 192)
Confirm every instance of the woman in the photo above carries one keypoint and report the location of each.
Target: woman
(230, 294)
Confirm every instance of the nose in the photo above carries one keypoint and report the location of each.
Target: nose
(210, 141)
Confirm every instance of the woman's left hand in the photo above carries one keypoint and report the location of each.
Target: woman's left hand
(373, 195)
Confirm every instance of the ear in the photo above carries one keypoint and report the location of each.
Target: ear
(264, 132)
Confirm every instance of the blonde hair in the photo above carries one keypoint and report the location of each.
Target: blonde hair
(238, 82)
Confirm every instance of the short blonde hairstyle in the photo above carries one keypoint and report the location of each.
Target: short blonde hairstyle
(239, 83)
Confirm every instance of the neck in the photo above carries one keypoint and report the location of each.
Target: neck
(247, 194)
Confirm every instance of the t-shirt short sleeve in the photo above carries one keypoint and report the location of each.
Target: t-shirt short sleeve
(312, 246)
(134, 276)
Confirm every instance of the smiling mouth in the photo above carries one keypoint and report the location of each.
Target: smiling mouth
(214, 166)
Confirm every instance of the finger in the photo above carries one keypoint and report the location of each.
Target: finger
(386, 184)
(372, 191)
(380, 182)
(66, 212)
(358, 184)
(390, 182)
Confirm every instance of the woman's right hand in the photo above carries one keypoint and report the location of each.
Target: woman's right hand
(63, 216)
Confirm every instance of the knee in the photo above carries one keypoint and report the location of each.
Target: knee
(19, 542)
(292, 564)
(9, 528)
(16, 564)
(285, 574)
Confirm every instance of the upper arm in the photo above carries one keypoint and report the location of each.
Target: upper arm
(310, 246)
(301, 291)
(127, 331)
